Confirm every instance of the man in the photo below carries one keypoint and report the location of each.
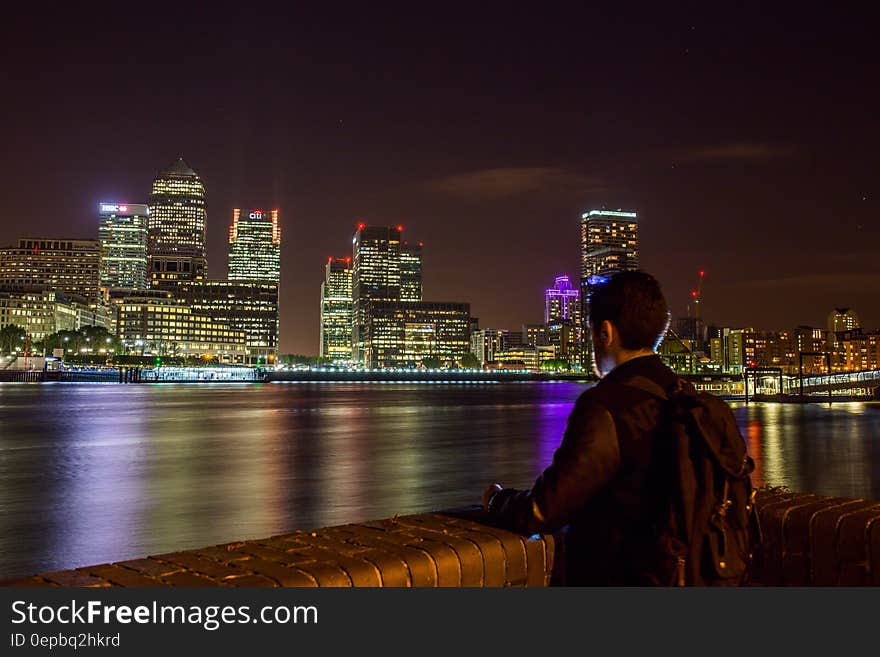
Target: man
(600, 481)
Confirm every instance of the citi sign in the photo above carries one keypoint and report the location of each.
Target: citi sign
(256, 214)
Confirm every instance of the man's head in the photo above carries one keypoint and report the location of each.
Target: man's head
(628, 318)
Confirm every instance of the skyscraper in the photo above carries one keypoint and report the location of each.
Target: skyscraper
(336, 315)
(177, 227)
(123, 234)
(375, 275)
(255, 246)
(411, 272)
(609, 243)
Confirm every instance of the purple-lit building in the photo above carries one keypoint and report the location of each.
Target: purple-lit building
(562, 301)
(562, 319)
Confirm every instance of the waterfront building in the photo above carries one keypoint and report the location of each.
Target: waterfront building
(716, 351)
(249, 306)
(405, 333)
(861, 349)
(177, 227)
(69, 265)
(375, 277)
(166, 326)
(486, 343)
(41, 310)
(255, 246)
(528, 356)
(122, 230)
(411, 272)
(336, 314)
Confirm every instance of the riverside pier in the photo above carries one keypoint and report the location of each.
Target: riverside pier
(756, 384)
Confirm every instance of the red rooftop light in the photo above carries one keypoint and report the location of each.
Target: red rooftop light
(400, 228)
(361, 226)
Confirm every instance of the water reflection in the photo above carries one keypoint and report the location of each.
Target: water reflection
(830, 450)
(98, 473)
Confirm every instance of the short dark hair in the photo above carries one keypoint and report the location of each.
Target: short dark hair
(634, 303)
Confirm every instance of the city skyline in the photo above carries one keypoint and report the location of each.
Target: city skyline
(755, 167)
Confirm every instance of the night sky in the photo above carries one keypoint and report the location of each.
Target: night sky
(746, 139)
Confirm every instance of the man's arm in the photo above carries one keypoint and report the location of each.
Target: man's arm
(587, 459)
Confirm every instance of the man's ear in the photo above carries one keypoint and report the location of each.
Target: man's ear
(606, 333)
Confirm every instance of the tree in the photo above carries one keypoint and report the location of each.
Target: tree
(469, 361)
(300, 359)
(555, 364)
(432, 362)
(11, 337)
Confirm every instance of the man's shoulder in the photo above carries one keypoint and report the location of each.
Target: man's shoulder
(610, 396)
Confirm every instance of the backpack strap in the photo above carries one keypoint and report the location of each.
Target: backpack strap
(645, 384)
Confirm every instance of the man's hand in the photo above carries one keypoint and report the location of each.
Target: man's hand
(488, 493)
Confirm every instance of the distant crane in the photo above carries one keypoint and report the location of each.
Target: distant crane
(697, 295)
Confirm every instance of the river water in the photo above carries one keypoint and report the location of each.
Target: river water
(102, 472)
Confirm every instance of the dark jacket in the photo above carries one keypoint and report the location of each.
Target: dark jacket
(599, 484)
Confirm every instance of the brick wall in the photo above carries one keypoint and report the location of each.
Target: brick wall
(808, 540)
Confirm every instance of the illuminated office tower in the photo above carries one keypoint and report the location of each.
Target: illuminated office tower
(69, 265)
(336, 310)
(609, 242)
(255, 246)
(123, 234)
(561, 302)
(177, 227)
(411, 272)
(375, 276)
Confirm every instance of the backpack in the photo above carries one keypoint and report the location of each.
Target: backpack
(702, 525)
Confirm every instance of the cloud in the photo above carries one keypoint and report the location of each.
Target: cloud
(507, 182)
(844, 281)
(735, 152)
